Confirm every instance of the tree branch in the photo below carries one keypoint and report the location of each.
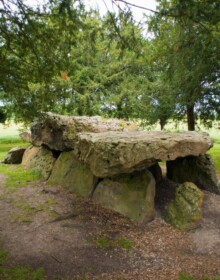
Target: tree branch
(134, 5)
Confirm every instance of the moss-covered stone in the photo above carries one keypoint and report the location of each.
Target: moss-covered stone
(129, 194)
(73, 174)
(184, 212)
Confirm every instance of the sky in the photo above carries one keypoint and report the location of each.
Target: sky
(138, 13)
(104, 5)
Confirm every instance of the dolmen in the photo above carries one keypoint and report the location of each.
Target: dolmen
(114, 163)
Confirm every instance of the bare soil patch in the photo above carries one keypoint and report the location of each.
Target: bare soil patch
(74, 238)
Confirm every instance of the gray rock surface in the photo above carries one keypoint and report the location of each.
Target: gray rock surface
(14, 156)
(59, 132)
(199, 170)
(112, 153)
(40, 159)
(129, 194)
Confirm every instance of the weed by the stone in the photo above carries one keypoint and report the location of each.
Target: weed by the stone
(104, 243)
(125, 243)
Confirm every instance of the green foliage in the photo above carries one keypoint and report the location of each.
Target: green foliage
(186, 40)
(62, 58)
(81, 64)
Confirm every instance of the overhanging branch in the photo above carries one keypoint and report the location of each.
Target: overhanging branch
(134, 5)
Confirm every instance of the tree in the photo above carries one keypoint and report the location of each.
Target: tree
(187, 38)
(3, 115)
(78, 64)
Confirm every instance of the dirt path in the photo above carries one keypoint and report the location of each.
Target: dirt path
(73, 238)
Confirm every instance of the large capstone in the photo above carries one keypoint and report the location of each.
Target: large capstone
(199, 170)
(59, 132)
(69, 172)
(185, 212)
(129, 194)
(112, 153)
(40, 159)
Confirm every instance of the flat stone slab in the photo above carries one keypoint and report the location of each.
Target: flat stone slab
(112, 153)
(59, 132)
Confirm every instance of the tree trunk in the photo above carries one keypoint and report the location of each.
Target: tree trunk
(190, 118)
(162, 124)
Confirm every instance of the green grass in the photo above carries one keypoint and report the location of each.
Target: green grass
(215, 153)
(7, 143)
(17, 176)
(183, 276)
(9, 272)
(125, 243)
(104, 243)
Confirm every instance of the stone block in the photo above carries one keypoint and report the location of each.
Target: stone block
(40, 159)
(113, 153)
(185, 212)
(129, 194)
(73, 174)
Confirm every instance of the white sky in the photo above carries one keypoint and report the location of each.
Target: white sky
(138, 13)
(100, 4)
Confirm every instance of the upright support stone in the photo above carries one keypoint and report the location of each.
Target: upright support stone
(73, 174)
(14, 156)
(40, 159)
(199, 170)
(129, 194)
(184, 212)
